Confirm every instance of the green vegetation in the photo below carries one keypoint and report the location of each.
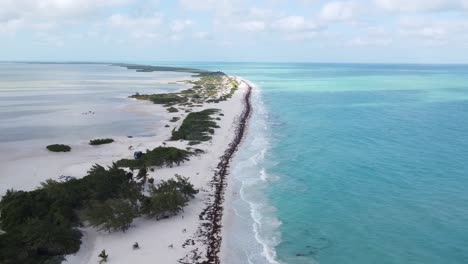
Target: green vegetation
(41, 225)
(168, 198)
(158, 157)
(111, 215)
(103, 256)
(59, 148)
(212, 88)
(172, 110)
(101, 141)
(193, 143)
(148, 68)
(166, 99)
(197, 126)
(174, 119)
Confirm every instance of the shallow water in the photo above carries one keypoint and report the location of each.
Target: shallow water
(361, 164)
(75, 101)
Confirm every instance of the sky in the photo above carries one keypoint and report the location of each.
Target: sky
(361, 31)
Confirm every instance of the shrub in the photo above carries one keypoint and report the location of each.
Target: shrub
(167, 99)
(111, 215)
(59, 148)
(196, 126)
(168, 197)
(41, 225)
(160, 156)
(172, 110)
(101, 141)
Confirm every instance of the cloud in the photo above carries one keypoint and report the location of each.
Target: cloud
(252, 26)
(181, 25)
(368, 41)
(202, 35)
(10, 26)
(293, 24)
(338, 11)
(423, 28)
(54, 8)
(135, 23)
(220, 6)
(421, 5)
(147, 27)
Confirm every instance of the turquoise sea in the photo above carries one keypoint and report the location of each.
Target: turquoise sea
(352, 164)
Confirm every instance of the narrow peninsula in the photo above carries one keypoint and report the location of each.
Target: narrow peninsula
(140, 198)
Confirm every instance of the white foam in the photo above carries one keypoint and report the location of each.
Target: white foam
(254, 180)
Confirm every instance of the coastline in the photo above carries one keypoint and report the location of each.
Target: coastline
(154, 237)
(211, 231)
(207, 172)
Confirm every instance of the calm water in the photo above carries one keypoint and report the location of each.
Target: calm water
(353, 164)
(48, 101)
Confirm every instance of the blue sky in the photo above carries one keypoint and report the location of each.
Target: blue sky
(411, 31)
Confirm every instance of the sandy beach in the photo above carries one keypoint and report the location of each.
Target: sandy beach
(173, 240)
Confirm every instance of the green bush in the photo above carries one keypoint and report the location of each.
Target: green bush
(168, 197)
(59, 148)
(41, 225)
(167, 99)
(111, 215)
(158, 157)
(172, 110)
(101, 141)
(197, 126)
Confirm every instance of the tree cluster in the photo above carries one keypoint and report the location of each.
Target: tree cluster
(158, 157)
(41, 226)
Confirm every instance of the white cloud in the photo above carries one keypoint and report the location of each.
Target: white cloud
(293, 24)
(54, 8)
(370, 41)
(220, 6)
(424, 30)
(421, 5)
(251, 26)
(11, 26)
(136, 23)
(338, 11)
(201, 35)
(181, 25)
(261, 13)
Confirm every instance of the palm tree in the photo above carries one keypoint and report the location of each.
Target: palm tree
(103, 256)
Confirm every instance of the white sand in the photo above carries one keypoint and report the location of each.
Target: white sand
(153, 236)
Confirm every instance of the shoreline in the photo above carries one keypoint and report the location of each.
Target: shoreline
(198, 246)
(207, 172)
(214, 211)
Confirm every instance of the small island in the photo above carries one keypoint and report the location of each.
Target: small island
(59, 148)
(101, 141)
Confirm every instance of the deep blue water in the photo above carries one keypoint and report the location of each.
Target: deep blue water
(363, 164)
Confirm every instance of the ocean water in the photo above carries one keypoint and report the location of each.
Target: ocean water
(54, 101)
(352, 164)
